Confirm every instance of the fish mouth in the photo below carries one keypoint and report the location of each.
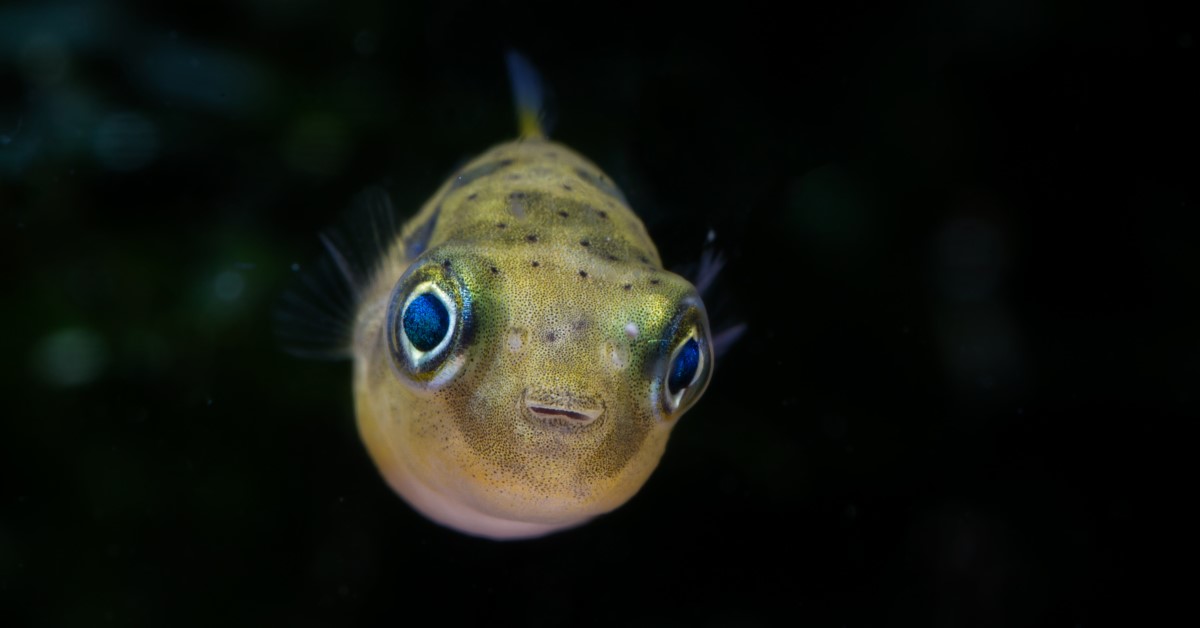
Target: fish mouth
(561, 410)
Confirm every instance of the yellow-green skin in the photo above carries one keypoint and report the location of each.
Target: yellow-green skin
(551, 404)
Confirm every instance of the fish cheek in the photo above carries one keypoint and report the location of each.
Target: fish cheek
(618, 451)
(636, 443)
(405, 430)
(378, 403)
(488, 417)
(482, 402)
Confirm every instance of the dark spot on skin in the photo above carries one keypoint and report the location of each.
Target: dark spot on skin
(518, 196)
(531, 238)
(611, 257)
(446, 264)
(512, 177)
(627, 286)
(502, 225)
(552, 154)
(603, 214)
(551, 336)
(583, 273)
(579, 325)
(536, 263)
(472, 196)
(567, 187)
(645, 260)
(495, 271)
(563, 213)
(584, 243)
(655, 282)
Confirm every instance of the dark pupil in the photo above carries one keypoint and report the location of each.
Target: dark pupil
(426, 321)
(683, 369)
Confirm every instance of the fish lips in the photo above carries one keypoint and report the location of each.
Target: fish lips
(562, 411)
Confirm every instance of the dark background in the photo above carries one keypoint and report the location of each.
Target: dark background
(962, 235)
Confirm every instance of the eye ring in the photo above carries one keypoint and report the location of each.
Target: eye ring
(427, 320)
(426, 323)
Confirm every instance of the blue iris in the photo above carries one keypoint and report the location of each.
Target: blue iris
(426, 321)
(683, 369)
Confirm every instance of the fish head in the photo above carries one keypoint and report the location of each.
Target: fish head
(510, 393)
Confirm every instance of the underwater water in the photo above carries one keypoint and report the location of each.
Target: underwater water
(962, 237)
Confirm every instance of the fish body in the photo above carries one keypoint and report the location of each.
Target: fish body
(520, 354)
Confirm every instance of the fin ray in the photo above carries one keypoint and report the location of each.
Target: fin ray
(315, 317)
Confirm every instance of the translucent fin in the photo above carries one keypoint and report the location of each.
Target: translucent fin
(315, 316)
(724, 339)
(705, 274)
(528, 96)
(711, 263)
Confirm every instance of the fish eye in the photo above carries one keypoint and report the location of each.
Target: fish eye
(426, 318)
(684, 371)
(425, 325)
(426, 321)
(684, 366)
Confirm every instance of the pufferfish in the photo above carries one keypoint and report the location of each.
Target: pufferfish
(520, 354)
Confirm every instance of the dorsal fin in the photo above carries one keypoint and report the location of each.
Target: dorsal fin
(528, 96)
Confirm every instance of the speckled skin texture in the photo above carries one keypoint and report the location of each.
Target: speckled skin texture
(549, 405)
